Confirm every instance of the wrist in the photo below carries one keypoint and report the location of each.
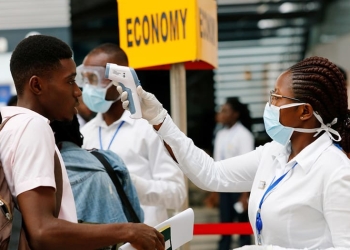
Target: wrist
(131, 234)
(157, 127)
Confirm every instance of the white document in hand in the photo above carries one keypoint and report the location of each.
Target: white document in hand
(177, 230)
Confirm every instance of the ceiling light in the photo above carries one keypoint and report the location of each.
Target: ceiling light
(270, 23)
(287, 7)
(262, 8)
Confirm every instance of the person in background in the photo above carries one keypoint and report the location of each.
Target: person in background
(234, 139)
(159, 182)
(299, 183)
(96, 197)
(218, 124)
(44, 75)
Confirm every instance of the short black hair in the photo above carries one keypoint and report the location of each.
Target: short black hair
(37, 55)
(67, 131)
(113, 50)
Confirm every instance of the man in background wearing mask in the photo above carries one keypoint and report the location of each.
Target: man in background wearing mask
(159, 182)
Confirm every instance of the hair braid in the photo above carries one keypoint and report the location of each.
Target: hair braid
(320, 83)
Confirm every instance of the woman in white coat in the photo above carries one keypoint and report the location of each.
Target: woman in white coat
(299, 182)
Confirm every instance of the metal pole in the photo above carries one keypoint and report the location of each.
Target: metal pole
(178, 95)
(179, 109)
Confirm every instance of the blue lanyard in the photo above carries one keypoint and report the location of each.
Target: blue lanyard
(258, 222)
(115, 133)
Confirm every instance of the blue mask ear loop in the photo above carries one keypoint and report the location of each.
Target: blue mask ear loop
(258, 222)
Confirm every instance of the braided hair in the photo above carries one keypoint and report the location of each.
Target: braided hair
(319, 82)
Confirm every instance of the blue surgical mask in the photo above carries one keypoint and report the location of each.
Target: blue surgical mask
(94, 98)
(282, 134)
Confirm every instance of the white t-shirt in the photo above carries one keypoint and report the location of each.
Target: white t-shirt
(308, 209)
(27, 147)
(158, 181)
(233, 141)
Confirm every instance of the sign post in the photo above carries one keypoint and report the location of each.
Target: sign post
(156, 34)
(178, 95)
(171, 35)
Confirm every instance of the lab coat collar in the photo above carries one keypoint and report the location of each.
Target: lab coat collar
(307, 157)
(99, 121)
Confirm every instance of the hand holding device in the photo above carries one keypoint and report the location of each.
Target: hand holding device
(128, 81)
(152, 109)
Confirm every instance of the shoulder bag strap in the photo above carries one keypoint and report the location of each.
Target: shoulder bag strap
(23, 243)
(4, 122)
(59, 184)
(58, 175)
(117, 185)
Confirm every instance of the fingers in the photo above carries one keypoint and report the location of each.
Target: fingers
(160, 244)
(139, 90)
(148, 239)
(124, 96)
(125, 104)
(120, 90)
(144, 94)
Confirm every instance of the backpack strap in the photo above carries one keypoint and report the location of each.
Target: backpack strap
(7, 206)
(23, 242)
(117, 185)
(4, 122)
(58, 175)
(59, 184)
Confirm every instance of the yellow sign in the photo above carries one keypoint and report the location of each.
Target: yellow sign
(155, 34)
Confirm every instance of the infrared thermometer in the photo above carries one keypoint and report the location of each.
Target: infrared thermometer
(128, 80)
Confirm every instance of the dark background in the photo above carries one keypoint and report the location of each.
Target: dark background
(99, 24)
(96, 21)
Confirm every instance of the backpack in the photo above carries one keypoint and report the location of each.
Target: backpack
(7, 204)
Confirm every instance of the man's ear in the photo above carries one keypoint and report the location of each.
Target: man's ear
(307, 112)
(35, 85)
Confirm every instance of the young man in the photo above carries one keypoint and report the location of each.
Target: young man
(158, 181)
(44, 74)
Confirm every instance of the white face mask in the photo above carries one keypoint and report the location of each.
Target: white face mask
(282, 134)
